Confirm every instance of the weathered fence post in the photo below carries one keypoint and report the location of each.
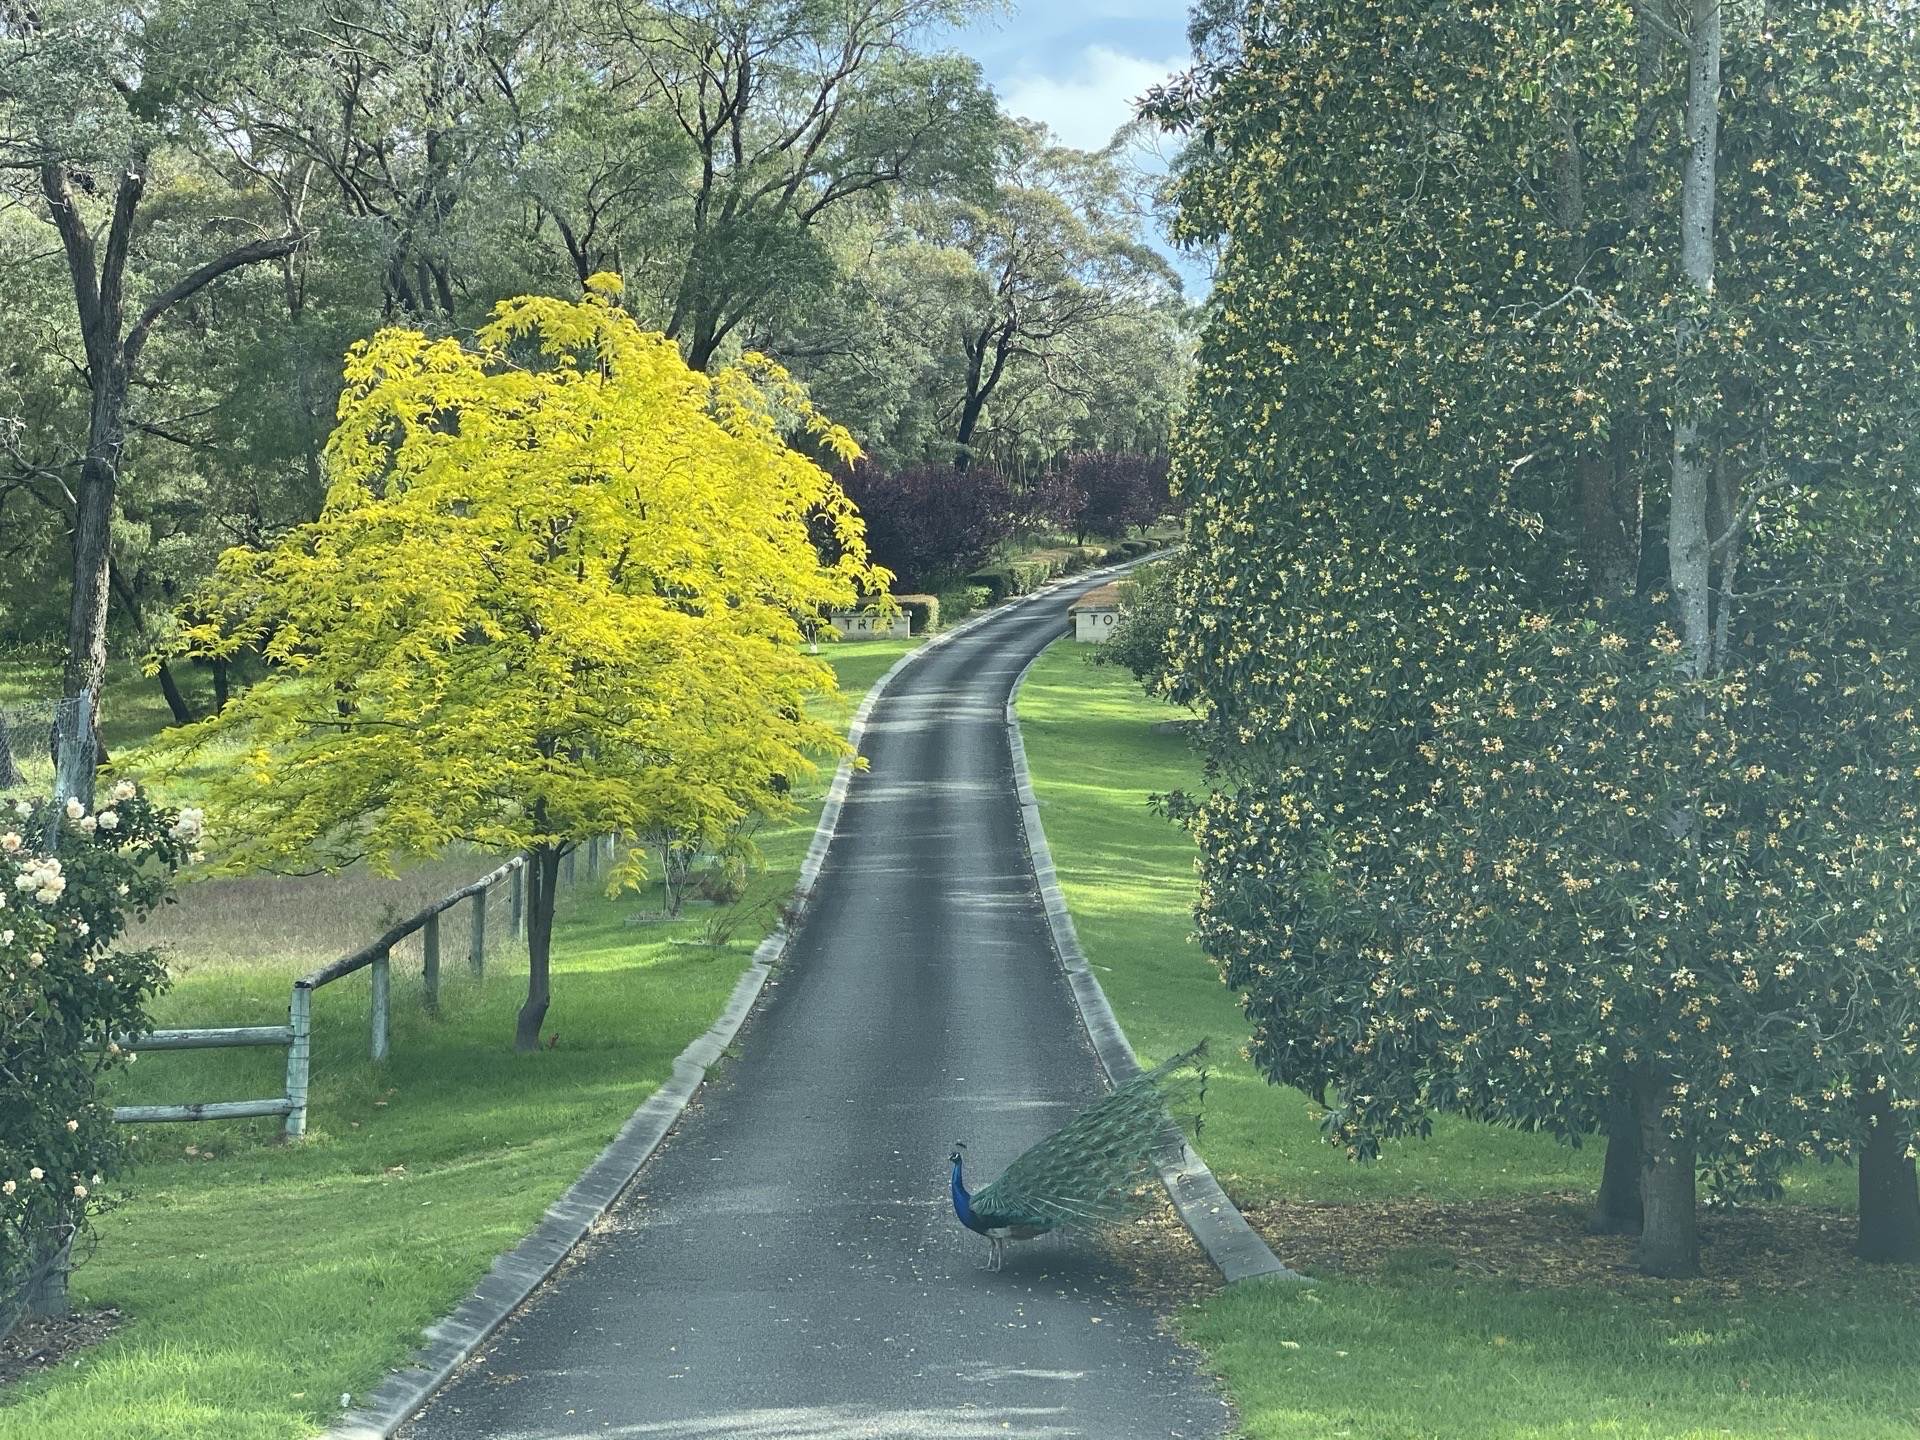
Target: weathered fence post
(382, 965)
(430, 962)
(517, 899)
(299, 1057)
(569, 865)
(593, 858)
(477, 946)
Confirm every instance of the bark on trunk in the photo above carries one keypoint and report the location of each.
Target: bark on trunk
(86, 666)
(1689, 545)
(1618, 1209)
(543, 873)
(1889, 1187)
(1670, 1234)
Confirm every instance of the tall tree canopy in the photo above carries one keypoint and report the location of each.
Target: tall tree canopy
(1550, 575)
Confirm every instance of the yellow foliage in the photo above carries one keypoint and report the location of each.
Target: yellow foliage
(558, 589)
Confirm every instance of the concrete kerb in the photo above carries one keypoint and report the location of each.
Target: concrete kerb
(518, 1273)
(1233, 1245)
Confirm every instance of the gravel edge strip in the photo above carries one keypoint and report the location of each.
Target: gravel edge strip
(518, 1273)
(1234, 1246)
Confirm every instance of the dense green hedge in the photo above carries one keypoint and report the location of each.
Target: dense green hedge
(923, 610)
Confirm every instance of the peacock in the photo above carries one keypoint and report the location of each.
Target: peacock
(1090, 1171)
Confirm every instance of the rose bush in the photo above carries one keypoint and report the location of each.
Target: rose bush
(65, 993)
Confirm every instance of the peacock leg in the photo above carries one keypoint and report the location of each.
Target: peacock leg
(993, 1253)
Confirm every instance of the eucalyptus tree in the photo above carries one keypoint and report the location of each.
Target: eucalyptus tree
(1059, 257)
(788, 113)
(109, 142)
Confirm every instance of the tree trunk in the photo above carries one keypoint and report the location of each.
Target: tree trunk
(970, 413)
(543, 874)
(1689, 545)
(9, 771)
(86, 666)
(220, 685)
(1618, 1209)
(1889, 1187)
(176, 702)
(1670, 1235)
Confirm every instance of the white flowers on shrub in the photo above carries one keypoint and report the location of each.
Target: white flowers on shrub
(124, 790)
(74, 808)
(41, 878)
(10, 843)
(108, 820)
(88, 824)
(189, 827)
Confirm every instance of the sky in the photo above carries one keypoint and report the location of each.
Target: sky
(1079, 64)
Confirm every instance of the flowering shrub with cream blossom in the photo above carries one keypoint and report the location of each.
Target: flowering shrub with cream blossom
(65, 992)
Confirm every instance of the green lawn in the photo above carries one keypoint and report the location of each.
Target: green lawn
(1423, 1346)
(263, 1280)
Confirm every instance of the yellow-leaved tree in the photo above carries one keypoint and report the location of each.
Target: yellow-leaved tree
(557, 591)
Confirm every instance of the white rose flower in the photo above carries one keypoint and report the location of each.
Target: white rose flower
(74, 808)
(125, 790)
(6, 937)
(10, 842)
(8, 1187)
(72, 1125)
(36, 1173)
(88, 824)
(109, 820)
(80, 1192)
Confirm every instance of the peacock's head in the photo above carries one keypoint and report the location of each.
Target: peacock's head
(954, 1158)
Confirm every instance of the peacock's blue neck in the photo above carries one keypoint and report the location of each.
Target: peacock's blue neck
(962, 1202)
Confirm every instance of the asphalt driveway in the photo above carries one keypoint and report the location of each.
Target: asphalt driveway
(788, 1266)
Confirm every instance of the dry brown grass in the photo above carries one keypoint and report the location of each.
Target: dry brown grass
(294, 923)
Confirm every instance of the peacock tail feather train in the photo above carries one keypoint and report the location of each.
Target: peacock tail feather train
(1091, 1171)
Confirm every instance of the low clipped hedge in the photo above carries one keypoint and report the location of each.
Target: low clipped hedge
(1024, 574)
(922, 610)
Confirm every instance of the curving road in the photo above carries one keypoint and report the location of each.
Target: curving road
(787, 1267)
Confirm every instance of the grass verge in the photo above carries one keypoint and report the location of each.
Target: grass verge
(1459, 1297)
(262, 1281)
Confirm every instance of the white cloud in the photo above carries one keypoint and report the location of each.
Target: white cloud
(1091, 100)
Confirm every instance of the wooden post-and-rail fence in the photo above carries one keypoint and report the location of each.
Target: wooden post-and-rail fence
(297, 1033)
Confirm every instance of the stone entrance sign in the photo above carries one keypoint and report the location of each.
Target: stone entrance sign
(868, 625)
(1095, 614)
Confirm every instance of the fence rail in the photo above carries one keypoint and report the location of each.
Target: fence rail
(297, 1033)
